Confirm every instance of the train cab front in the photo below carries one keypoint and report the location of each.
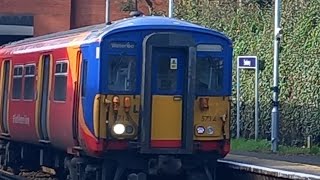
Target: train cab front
(166, 95)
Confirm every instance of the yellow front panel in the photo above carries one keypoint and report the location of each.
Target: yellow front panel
(217, 116)
(166, 122)
(104, 116)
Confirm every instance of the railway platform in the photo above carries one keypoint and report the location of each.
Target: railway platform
(273, 165)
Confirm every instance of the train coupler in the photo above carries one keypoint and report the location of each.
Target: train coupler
(139, 176)
(165, 165)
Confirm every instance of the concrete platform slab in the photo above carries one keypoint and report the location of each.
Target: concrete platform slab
(275, 168)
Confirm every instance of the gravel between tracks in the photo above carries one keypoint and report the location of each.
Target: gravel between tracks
(36, 175)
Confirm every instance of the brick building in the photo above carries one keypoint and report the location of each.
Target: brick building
(27, 18)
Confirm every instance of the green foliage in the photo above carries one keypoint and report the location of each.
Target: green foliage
(129, 6)
(246, 145)
(251, 28)
(133, 5)
(250, 145)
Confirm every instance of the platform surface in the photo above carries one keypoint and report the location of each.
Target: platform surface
(291, 167)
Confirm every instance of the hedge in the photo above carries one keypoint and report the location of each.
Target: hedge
(251, 27)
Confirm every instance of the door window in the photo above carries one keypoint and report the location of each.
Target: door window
(166, 76)
(84, 77)
(168, 70)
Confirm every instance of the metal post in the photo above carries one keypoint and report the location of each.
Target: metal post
(171, 8)
(136, 4)
(238, 100)
(275, 109)
(107, 15)
(257, 101)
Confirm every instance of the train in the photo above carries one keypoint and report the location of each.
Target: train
(135, 98)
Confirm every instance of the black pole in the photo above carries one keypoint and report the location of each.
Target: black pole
(136, 5)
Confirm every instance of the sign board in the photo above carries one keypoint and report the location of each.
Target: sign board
(173, 63)
(11, 25)
(16, 20)
(247, 62)
(123, 45)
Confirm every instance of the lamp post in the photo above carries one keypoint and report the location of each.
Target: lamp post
(275, 89)
(171, 8)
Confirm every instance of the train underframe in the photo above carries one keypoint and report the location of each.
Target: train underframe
(17, 156)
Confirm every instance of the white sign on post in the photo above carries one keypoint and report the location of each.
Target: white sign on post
(248, 62)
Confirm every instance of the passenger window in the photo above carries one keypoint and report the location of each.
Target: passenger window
(84, 78)
(29, 80)
(122, 73)
(17, 82)
(209, 74)
(60, 80)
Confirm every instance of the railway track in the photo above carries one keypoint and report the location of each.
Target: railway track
(4, 175)
(25, 175)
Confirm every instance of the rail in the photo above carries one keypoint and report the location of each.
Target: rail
(9, 176)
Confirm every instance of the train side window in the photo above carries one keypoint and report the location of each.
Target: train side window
(60, 79)
(29, 80)
(17, 81)
(84, 78)
(209, 74)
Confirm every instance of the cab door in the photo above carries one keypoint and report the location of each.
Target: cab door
(168, 86)
(167, 94)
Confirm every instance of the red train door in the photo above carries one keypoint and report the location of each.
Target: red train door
(42, 102)
(4, 96)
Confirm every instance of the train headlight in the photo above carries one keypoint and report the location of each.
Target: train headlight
(119, 129)
(200, 129)
(210, 130)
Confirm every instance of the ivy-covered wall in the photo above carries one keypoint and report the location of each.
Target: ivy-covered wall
(251, 27)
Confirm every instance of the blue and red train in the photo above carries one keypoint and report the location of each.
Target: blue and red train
(148, 95)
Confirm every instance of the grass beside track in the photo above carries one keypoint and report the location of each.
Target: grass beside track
(264, 146)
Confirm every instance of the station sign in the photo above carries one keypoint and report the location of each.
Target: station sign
(247, 62)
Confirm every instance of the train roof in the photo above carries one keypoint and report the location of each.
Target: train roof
(94, 33)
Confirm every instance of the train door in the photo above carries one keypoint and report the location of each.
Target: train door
(168, 80)
(4, 96)
(168, 94)
(76, 99)
(44, 96)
